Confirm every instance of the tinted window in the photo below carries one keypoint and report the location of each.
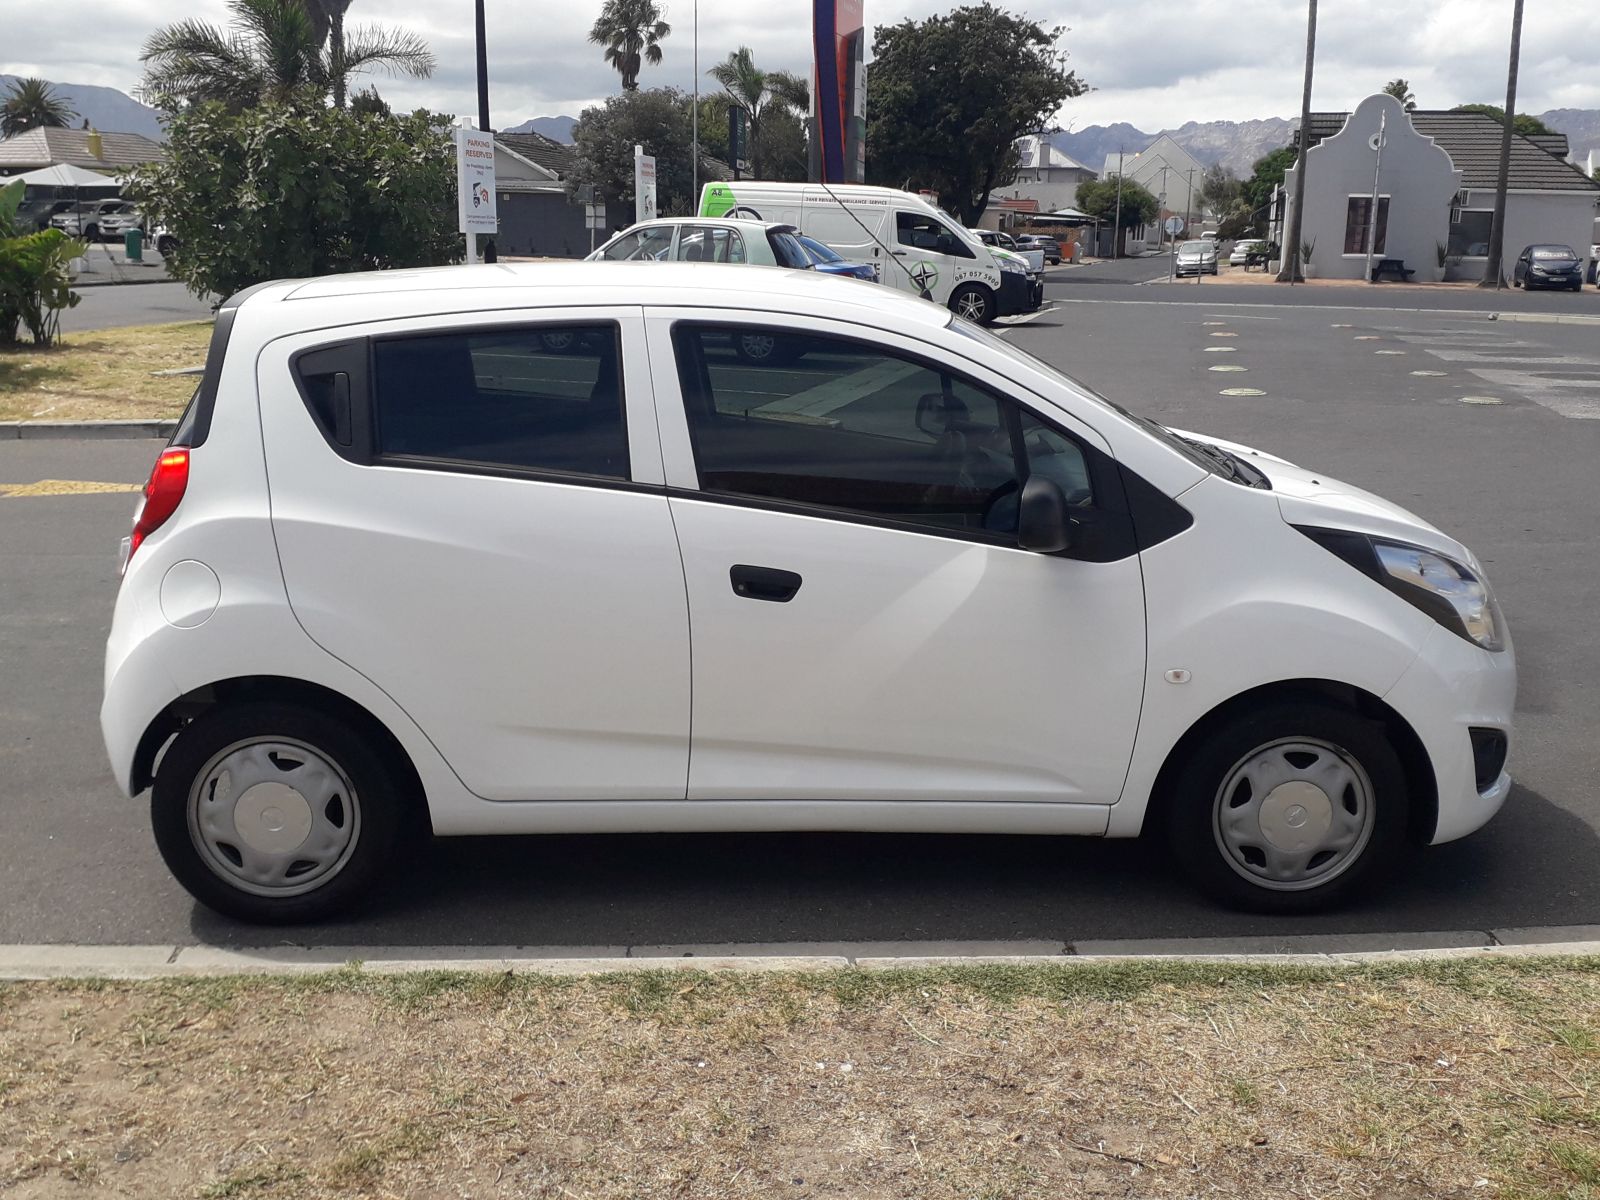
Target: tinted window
(546, 399)
(843, 425)
(653, 243)
(1560, 253)
(929, 233)
(786, 248)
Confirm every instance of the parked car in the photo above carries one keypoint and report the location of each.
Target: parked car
(1548, 266)
(113, 225)
(403, 570)
(34, 215)
(1032, 255)
(165, 241)
(1243, 249)
(1196, 258)
(696, 239)
(1037, 241)
(83, 220)
(825, 260)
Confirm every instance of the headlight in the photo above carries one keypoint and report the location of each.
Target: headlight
(1449, 592)
(1013, 268)
(1446, 590)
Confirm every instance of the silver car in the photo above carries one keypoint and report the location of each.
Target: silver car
(1196, 258)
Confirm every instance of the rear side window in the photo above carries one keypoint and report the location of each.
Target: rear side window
(546, 399)
(654, 243)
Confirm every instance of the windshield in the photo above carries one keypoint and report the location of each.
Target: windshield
(818, 251)
(1560, 252)
(1210, 458)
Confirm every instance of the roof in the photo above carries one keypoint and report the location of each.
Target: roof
(1472, 141)
(48, 147)
(540, 151)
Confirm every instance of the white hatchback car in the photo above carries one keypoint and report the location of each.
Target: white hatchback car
(528, 549)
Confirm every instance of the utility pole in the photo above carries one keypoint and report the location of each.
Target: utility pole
(1291, 253)
(694, 120)
(1372, 215)
(1497, 228)
(1116, 232)
(483, 70)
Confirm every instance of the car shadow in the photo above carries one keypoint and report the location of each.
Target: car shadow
(1534, 865)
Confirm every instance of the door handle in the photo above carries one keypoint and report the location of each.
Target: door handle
(763, 583)
(900, 253)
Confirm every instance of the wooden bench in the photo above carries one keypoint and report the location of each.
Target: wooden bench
(1392, 266)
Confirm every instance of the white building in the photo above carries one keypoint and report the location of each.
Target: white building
(1168, 172)
(1047, 181)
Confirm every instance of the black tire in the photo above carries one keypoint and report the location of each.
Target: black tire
(166, 245)
(978, 300)
(1193, 808)
(378, 814)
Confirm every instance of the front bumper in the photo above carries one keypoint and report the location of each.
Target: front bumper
(1019, 294)
(1452, 688)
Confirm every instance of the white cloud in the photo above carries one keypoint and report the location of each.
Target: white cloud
(1154, 63)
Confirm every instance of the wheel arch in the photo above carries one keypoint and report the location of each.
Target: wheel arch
(258, 688)
(1420, 780)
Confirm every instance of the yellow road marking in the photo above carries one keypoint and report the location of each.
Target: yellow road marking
(65, 487)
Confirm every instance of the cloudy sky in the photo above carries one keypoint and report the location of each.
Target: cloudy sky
(1154, 63)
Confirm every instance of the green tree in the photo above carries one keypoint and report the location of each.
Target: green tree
(1266, 173)
(270, 52)
(368, 103)
(1400, 89)
(1522, 124)
(657, 119)
(759, 93)
(32, 104)
(1220, 191)
(631, 31)
(285, 190)
(1098, 198)
(952, 94)
(35, 280)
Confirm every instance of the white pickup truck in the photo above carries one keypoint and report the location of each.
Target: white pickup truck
(1005, 241)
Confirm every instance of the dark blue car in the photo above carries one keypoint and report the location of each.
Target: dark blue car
(825, 260)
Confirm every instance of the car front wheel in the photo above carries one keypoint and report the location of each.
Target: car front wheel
(275, 814)
(1289, 808)
(974, 302)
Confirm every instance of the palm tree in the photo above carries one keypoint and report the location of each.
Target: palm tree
(759, 92)
(32, 104)
(271, 51)
(1400, 89)
(1291, 244)
(631, 31)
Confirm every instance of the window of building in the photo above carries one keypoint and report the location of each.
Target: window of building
(1469, 233)
(835, 424)
(545, 399)
(1358, 224)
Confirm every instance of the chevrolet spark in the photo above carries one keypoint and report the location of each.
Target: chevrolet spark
(533, 549)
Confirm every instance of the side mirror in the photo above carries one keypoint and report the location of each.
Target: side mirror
(1043, 525)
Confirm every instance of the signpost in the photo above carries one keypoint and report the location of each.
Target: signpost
(475, 197)
(737, 141)
(1173, 226)
(644, 185)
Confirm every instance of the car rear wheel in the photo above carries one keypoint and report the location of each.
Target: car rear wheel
(974, 302)
(1289, 808)
(275, 814)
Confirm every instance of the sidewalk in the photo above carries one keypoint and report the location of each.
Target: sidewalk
(107, 264)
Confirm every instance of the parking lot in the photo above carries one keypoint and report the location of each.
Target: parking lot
(1487, 428)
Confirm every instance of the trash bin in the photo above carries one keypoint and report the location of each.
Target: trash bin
(133, 243)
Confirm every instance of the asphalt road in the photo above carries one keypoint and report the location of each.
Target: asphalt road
(114, 305)
(1514, 479)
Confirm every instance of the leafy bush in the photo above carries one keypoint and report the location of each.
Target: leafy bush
(35, 276)
(296, 189)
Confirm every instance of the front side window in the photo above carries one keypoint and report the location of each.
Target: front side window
(842, 425)
(922, 232)
(1358, 223)
(654, 243)
(544, 399)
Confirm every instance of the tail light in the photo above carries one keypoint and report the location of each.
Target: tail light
(168, 480)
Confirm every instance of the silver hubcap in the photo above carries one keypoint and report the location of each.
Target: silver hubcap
(274, 817)
(971, 306)
(1294, 814)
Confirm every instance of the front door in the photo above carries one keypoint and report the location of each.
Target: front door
(477, 525)
(929, 258)
(864, 625)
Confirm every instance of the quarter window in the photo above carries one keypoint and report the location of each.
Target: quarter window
(835, 424)
(1358, 222)
(545, 399)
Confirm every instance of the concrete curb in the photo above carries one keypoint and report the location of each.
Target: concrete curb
(97, 430)
(23, 962)
(81, 282)
(1545, 318)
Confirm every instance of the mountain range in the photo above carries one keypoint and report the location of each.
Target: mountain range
(557, 129)
(1237, 144)
(107, 109)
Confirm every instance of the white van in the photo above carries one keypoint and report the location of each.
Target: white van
(916, 247)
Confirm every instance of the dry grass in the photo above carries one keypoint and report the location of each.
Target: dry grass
(104, 375)
(1468, 1079)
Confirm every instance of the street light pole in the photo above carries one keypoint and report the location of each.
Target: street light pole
(694, 118)
(483, 69)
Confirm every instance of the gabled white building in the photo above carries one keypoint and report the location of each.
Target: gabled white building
(1167, 171)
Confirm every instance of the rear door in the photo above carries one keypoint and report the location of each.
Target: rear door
(469, 511)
